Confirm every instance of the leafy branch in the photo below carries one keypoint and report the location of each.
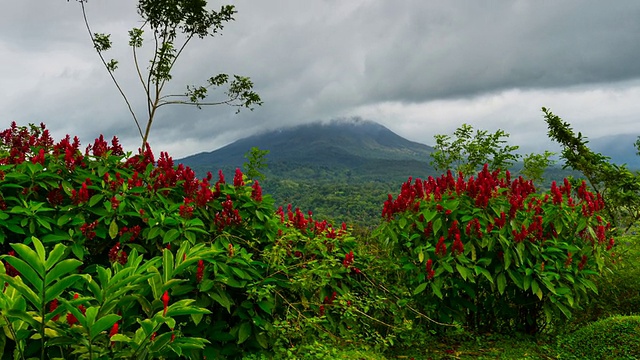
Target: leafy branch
(166, 20)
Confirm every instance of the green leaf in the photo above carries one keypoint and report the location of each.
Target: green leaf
(526, 282)
(266, 306)
(26, 271)
(420, 288)
(244, 332)
(24, 290)
(167, 264)
(95, 199)
(502, 282)
(464, 272)
(436, 290)
(54, 256)
(113, 229)
(485, 272)
(39, 249)
(170, 236)
(62, 268)
(30, 257)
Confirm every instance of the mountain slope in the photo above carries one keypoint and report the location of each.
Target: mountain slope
(363, 147)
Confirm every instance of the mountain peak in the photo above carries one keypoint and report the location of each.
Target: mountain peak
(341, 142)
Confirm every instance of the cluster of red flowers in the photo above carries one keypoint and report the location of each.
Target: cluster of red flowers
(117, 254)
(82, 195)
(88, 230)
(11, 271)
(484, 187)
(71, 319)
(348, 260)
(256, 192)
(186, 210)
(228, 216)
(132, 232)
(200, 271)
(429, 267)
(237, 179)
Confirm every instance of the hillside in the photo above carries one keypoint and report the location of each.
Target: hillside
(344, 170)
(360, 149)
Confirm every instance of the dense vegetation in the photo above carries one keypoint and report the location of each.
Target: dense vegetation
(114, 255)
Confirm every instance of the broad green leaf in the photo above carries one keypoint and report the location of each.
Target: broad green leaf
(485, 272)
(95, 199)
(167, 264)
(502, 282)
(170, 236)
(23, 289)
(30, 257)
(26, 271)
(113, 229)
(420, 288)
(436, 290)
(464, 272)
(61, 269)
(39, 249)
(244, 332)
(526, 283)
(54, 256)
(266, 306)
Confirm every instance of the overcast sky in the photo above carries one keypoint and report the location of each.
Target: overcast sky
(418, 67)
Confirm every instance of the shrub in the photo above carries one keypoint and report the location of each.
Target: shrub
(491, 253)
(214, 246)
(611, 338)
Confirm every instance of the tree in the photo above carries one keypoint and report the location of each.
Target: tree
(534, 165)
(468, 152)
(256, 162)
(173, 24)
(619, 187)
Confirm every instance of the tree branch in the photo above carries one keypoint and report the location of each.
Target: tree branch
(126, 100)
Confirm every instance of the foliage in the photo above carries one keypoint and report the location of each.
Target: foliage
(619, 187)
(618, 288)
(534, 166)
(468, 152)
(490, 253)
(173, 24)
(161, 236)
(611, 338)
(256, 163)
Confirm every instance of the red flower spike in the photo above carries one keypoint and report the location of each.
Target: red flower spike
(429, 268)
(200, 271)
(165, 302)
(114, 330)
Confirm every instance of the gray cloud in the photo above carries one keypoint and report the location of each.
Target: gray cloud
(415, 66)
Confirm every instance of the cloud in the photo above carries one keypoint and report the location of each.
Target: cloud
(418, 67)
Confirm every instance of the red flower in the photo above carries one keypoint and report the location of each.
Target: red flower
(429, 268)
(348, 259)
(165, 302)
(52, 307)
(237, 179)
(441, 248)
(200, 271)
(256, 193)
(114, 330)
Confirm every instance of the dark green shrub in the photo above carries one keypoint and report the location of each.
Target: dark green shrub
(221, 246)
(491, 253)
(616, 337)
